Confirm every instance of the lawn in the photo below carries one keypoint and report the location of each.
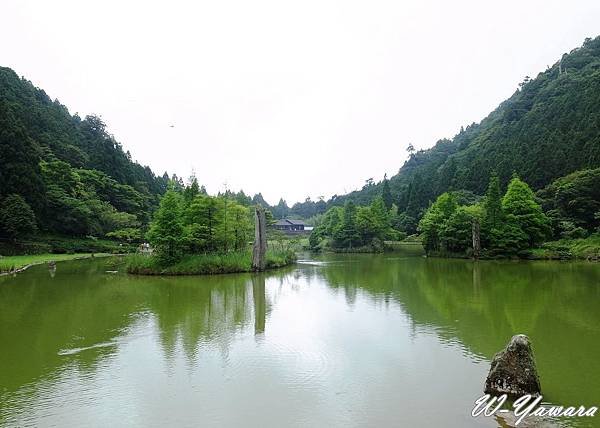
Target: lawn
(11, 263)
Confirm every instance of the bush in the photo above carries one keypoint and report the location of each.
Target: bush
(16, 217)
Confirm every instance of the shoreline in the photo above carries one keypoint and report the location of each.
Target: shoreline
(23, 268)
(527, 257)
(233, 272)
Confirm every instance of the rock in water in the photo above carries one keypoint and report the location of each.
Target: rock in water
(513, 370)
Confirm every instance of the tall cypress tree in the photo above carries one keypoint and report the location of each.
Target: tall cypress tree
(415, 196)
(520, 206)
(166, 232)
(493, 203)
(348, 234)
(386, 193)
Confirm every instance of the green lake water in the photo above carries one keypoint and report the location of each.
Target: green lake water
(335, 341)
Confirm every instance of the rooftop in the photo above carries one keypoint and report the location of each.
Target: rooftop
(287, 221)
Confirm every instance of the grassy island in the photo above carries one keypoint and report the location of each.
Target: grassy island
(205, 264)
(193, 233)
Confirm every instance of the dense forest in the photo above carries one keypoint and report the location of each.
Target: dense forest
(65, 175)
(61, 175)
(541, 146)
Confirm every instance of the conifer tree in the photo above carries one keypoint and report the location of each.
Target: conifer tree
(348, 235)
(386, 193)
(166, 232)
(493, 203)
(521, 208)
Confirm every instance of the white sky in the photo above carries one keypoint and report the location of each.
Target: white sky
(291, 99)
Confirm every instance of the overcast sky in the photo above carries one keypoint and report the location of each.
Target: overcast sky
(287, 98)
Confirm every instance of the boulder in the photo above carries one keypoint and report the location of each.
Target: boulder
(513, 370)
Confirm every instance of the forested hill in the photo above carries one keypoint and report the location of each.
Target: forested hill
(68, 172)
(548, 128)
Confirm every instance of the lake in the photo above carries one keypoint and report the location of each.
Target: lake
(335, 341)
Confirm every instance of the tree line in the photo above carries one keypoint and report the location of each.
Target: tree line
(189, 221)
(508, 222)
(360, 228)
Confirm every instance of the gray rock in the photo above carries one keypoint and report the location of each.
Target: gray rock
(513, 370)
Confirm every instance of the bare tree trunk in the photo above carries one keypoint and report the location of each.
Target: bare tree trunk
(260, 305)
(476, 239)
(260, 240)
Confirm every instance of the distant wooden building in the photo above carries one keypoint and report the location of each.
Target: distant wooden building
(290, 226)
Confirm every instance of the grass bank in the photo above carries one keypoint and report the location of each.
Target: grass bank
(10, 264)
(206, 264)
(44, 244)
(406, 246)
(565, 249)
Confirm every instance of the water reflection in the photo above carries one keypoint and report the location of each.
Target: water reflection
(343, 340)
(482, 304)
(81, 312)
(260, 304)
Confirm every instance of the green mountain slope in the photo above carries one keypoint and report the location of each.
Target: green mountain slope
(548, 128)
(74, 175)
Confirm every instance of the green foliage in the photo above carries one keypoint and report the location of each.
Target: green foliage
(386, 193)
(314, 240)
(127, 234)
(204, 224)
(580, 248)
(216, 224)
(510, 224)
(19, 158)
(572, 202)
(352, 227)
(16, 217)
(329, 227)
(200, 264)
(41, 244)
(72, 172)
(166, 232)
(493, 204)
(202, 219)
(347, 235)
(281, 210)
(434, 221)
(456, 234)
(191, 191)
(241, 227)
(523, 211)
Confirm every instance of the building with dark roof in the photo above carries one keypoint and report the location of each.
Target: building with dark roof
(289, 225)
